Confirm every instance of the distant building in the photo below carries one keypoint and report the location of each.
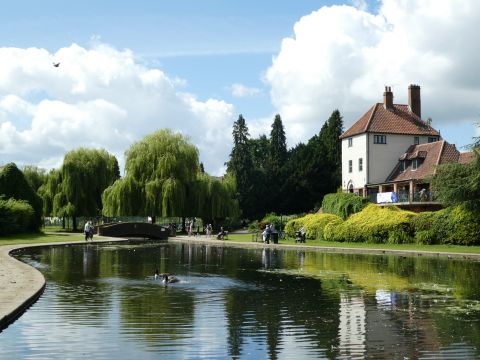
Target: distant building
(390, 149)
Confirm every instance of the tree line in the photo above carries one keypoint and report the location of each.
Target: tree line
(163, 177)
(272, 178)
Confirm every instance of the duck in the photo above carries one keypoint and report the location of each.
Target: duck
(169, 278)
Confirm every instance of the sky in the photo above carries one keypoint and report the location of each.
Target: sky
(128, 68)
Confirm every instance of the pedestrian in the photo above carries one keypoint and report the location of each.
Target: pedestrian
(86, 230)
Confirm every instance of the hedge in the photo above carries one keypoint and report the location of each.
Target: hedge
(16, 216)
(374, 224)
(343, 204)
(314, 225)
(453, 225)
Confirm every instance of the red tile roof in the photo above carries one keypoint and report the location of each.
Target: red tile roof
(466, 157)
(429, 156)
(398, 120)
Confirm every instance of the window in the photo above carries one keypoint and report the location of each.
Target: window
(402, 165)
(432, 139)
(360, 164)
(350, 142)
(350, 166)
(414, 164)
(416, 140)
(379, 139)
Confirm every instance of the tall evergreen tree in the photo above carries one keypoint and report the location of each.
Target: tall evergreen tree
(277, 158)
(260, 149)
(242, 167)
(329, 136)
(278, 145)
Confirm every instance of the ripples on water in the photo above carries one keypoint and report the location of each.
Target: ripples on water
(102, 302)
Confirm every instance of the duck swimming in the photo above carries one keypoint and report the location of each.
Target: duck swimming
(169, 278)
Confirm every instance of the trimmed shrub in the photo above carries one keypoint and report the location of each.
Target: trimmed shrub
(343, 204)
(373, 224)
(315, 224)
(16, 216)
(462, 228)
(294, 225)
(330, 232)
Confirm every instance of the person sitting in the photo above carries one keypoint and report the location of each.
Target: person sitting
(301, 235)
(221, 234)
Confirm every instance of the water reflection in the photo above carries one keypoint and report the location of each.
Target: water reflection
(246, 303)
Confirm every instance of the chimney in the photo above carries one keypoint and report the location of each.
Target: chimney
(414, 102)
(388, 98)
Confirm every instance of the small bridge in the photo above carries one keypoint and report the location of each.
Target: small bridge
(133, 229)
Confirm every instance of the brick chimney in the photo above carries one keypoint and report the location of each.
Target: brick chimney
(388, 98)
(414, 102)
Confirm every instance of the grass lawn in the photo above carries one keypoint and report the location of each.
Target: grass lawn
(61, 237)
(415, 247)
(39, 238)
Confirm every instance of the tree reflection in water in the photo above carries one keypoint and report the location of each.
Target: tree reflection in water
(266, 302)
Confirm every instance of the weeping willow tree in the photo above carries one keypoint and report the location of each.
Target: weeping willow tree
(76, 188)
(163, 178)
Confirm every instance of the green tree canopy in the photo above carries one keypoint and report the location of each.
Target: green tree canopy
(35, 176)
(163, 178)
(14, 185)
(457, 184)
(76, 189)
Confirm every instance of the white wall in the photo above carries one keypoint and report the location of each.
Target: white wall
(358, 150)
(384, 157)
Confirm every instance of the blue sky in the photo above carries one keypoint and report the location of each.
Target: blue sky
(301, 58)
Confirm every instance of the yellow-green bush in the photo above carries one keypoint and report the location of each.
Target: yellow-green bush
(462, 227)
(294, 225)
(373, 224)
(313, 224)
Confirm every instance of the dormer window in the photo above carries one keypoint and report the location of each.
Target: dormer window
(402, 165)
(416, 140)
(350, 142)
(414, 164)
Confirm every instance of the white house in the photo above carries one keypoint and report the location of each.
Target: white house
(387, 148)
(372, 146)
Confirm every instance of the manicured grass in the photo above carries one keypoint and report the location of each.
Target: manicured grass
(415, 247)
(39, 238)
(61, 237)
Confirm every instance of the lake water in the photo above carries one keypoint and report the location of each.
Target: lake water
(102, 302)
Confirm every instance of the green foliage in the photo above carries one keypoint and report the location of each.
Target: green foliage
(35, 176)
(293, 225)
(458, 225)
(343, 204)
(314, 225)
(16, 216)
(272, 218)
(373, 224)
(163, 178)
(459, 184)
(14, 185)
(313, 169)
(465, 226)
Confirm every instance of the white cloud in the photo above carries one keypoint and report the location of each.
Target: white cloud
(239, 90)
(342, 56)
(99, 97)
